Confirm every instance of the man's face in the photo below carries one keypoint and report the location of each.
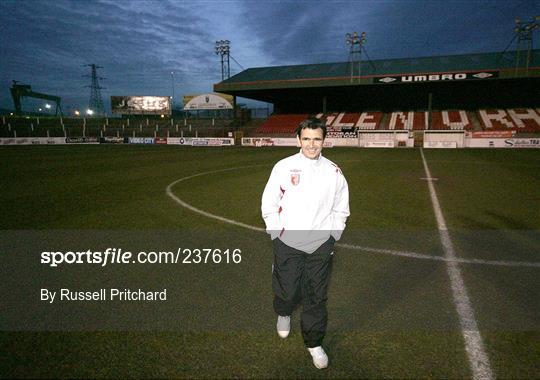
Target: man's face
(311, 142)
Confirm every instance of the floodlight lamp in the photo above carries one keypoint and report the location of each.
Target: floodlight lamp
(363, 37)
(47, 106)
(77, 113)
(90, 112)
(39, 109)
(162, 116)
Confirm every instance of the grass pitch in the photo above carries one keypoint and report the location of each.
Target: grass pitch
(390, 315)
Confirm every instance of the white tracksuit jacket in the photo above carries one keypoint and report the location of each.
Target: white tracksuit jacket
(305, 201)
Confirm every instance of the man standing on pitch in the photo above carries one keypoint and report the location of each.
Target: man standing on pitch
(305, 205)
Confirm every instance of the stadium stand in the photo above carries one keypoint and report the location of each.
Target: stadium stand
(281, 124)
(519, 119)
(17, 126)
(408, 121)
(342, 124)
(454, 120)
(339, 124)
(346, 124)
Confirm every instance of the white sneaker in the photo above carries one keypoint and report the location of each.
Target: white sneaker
(283, 326)
(320, 359)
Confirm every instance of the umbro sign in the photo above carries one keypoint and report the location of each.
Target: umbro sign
(483, 75)
(436, 77)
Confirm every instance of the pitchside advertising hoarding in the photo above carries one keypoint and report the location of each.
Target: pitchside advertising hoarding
(201, 141)
(32, 141)
(213, 101)
(141, 140)
(503, 143)
(141, 105)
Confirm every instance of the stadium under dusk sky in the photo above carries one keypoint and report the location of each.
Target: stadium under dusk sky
(139, 43)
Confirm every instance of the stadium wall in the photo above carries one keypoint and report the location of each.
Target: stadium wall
(432, 139)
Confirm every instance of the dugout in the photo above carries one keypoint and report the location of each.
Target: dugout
(469, 82)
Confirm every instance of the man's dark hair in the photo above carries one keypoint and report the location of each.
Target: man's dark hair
(312, 123)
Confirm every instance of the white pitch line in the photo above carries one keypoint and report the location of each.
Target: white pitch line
(416, 255)
(408, 254)
(204, 213)
(474, 345)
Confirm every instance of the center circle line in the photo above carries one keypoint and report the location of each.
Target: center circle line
(408, 254)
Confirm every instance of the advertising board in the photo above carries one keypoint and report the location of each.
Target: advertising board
(111, 140)
(522, 143)
(82, 140)
(160, 140)
(379, 144)
(440, 144)
(503, 143)
(493, 134)
(141, 140)
(436, 77)
(213, 101)
(32, 140)
(201, 141)
(141, 105)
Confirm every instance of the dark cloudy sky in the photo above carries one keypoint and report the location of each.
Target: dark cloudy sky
(48, 43)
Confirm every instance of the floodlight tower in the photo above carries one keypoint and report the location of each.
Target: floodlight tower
(96, 103)
(223, 49)
(524, 32)
(172, 85)
(355, 42)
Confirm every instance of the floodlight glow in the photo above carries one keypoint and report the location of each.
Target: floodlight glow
(89, 112)
(47, 106)
(39, 109)
(77, 113)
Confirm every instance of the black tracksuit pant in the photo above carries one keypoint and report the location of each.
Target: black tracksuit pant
(301, 277)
